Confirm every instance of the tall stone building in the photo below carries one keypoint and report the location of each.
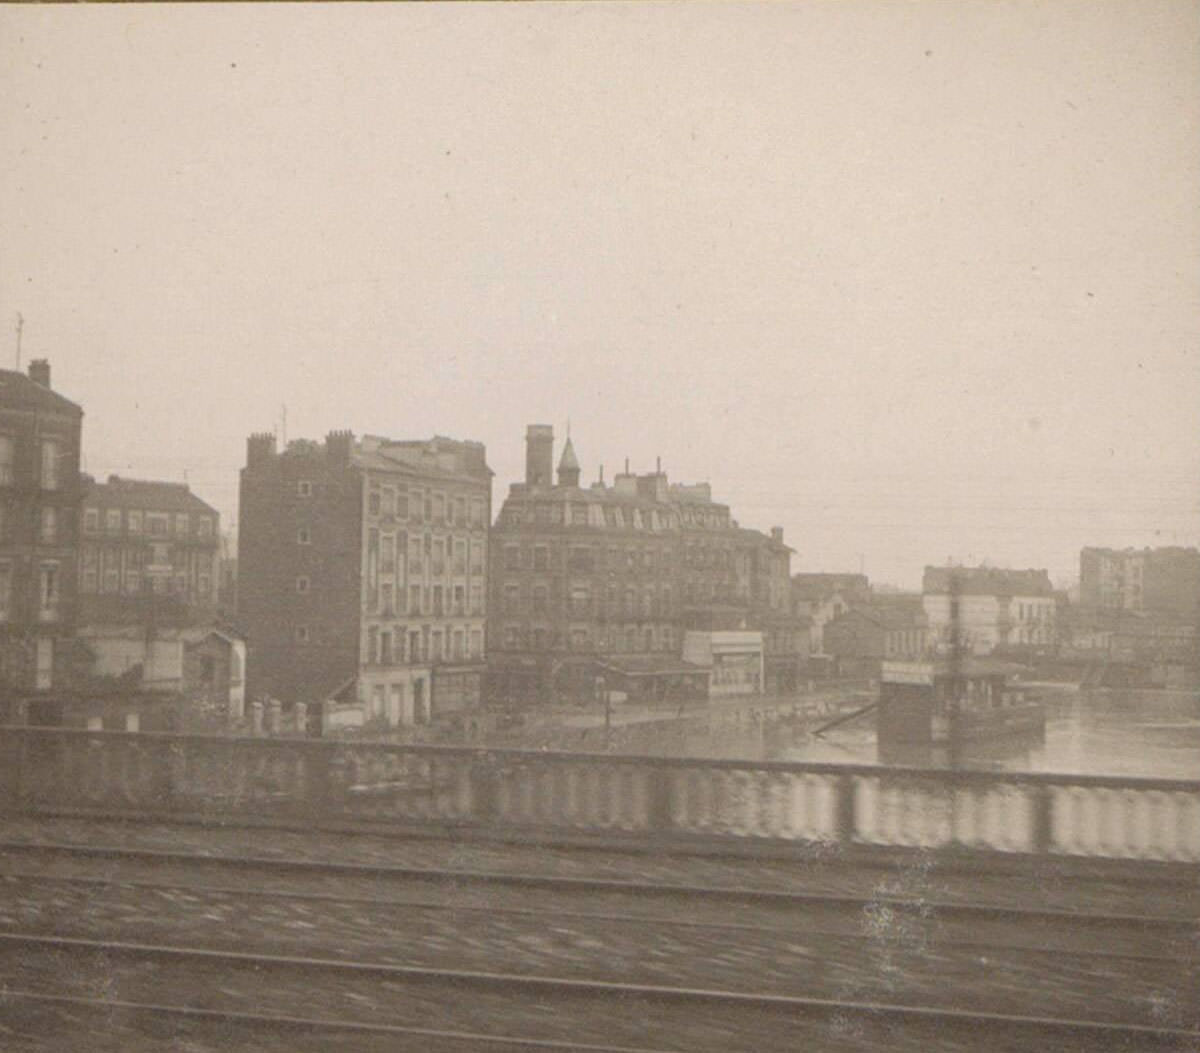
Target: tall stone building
(362, 571)
(39, 530)
(601, 584)
(1151, 580)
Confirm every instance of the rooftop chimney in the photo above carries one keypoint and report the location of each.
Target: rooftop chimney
(539, 455)
(39, 372)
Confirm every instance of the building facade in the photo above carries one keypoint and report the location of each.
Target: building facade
(597, 586)
(362, 570)
(888, 628)
(147, 575)
(1155, 580)
(39, 531)
(822, 597)
(996, 609)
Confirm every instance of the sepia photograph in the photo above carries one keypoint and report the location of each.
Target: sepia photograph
(621, 527)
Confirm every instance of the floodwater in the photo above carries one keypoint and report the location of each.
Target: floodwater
(1098, 732)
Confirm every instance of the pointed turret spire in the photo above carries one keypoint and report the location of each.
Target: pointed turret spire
(568, 465)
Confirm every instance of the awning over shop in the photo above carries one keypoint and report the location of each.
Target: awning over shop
(649, 665)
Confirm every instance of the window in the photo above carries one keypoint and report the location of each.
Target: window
(477, 513)
(48, 585)
(89, 580)
(7, 449)
(385, 648)
(112, 521)
(476, 598)
(476, 644)
(204, 527)
(156, 525)
(476, 557)
(459, 599)
(302, 635)
(581, 600)
(373, 502)
(134, 522)
(417, 505)
(388, 501)
(91, 520)
(460, 556)
(49, 526)
(133, 582)
(303, 536)
(512, 599)
(439, 507)
(541, 599)
(579, 514)
(112, 580)
(437, 600)
(510, 637)
(204, 584)
(5, 590)
(402, 504)
(512, 557)
(541, 557)
(302, 584)
(181, 523)
(50, 458)
(303, 488)
(414, 599)
(456, 647)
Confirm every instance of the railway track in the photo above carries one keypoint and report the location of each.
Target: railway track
(463, 878)
(588, 1014)
(705, 964)
(1137, 938)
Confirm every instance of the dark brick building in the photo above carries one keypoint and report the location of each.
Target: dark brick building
(603, 582)
(362, 571)
(39, 531)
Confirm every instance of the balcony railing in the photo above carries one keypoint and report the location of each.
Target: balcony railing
(643, 798)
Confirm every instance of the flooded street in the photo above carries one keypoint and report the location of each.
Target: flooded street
(1103, 732)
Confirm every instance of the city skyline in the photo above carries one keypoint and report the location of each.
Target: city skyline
(912, 283)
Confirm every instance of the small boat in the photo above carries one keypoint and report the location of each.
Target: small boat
(945, 701)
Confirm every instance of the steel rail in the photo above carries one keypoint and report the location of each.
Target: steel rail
(923, 907)
(241, 893)
(603, 988)
(300, 1023)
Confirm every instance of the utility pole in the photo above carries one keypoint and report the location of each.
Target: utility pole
(20, 328)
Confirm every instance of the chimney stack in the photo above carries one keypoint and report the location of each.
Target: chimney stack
(39, 372)
(539, 455)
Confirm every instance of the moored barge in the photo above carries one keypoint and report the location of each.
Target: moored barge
(941, 701)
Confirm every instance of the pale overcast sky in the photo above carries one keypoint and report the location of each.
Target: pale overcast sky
(912, 280)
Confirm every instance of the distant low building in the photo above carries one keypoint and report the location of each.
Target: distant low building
(1155, 580)
(892, 627)
(821, 597)
(996, 608)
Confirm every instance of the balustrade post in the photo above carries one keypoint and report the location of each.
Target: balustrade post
(318, 778)
(660, 807)
(12, 763)
(485, 790)
(1043, 819)
(844, 822)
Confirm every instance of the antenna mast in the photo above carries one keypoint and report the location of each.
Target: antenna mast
(20, 327)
